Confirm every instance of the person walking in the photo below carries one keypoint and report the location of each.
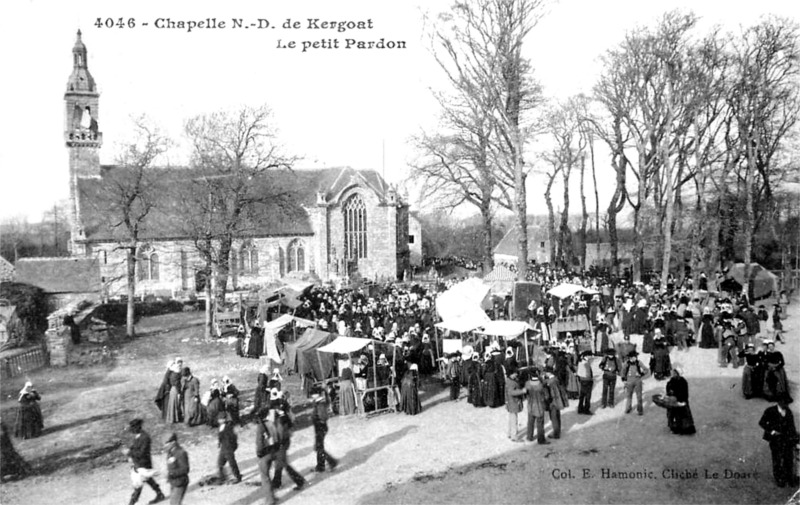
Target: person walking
(514, 394)
(227, 443)
(633, 371)
(538, 399)
(319, 416)
(781, 433)
(177, 469)
(283, 425)
(266, 449)
(138, 453)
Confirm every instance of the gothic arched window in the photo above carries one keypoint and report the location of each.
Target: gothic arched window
(148, 263)
(297, 256)
(248, 259)
(355, 228)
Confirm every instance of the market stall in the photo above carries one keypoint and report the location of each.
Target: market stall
(349, 345)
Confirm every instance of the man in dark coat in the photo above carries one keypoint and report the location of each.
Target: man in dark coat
(610, 366)
(781, 433)
(283, 425)
(139, 455)
(177, 470)
(228, 444)
(267, 444)
(319, 416)
(538, 399)
(558, 402)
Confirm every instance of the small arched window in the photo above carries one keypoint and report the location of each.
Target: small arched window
(297, 256)
(148, 263)
(248, 259)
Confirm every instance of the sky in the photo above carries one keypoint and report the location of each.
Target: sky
(334, 107)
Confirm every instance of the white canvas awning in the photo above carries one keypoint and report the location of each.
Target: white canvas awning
(505, 329)
(277, 324)
(465, 322)
(451, 345)
(566, 290)
(345, 345)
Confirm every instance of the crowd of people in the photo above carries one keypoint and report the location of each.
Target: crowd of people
(489, 373)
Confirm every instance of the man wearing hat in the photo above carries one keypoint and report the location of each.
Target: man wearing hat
(177, 469)
(319, 416)
(781, 433)
(514, 394)
(284, 420)
(610, 367)
(633, 371)
(267, 444)
(139, 455)
(538, 400)
(228, 444)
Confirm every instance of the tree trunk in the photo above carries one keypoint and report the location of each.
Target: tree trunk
(747, 224)
(669, 200)
(130, 260)
(564, 255)
(209, 323)
(521, 207)
(596, 202)
(584, 216)
(488, 258)
(551, 220)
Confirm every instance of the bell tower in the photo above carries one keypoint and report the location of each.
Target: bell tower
(81, 135)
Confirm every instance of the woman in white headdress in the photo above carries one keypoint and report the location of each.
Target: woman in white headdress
(29, 422)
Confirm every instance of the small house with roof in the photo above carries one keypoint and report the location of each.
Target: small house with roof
(63, 280)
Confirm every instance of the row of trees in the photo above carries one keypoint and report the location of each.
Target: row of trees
(695, 124)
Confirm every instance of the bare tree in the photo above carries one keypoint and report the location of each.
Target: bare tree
(130, 196)
(764, 100)
(483, 42)
(232, 153)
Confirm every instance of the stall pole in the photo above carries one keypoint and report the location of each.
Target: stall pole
(527, 356)
(375, 375)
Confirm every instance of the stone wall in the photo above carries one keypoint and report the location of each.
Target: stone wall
(59, 345)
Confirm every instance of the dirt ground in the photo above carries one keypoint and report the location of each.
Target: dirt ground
(450, 453)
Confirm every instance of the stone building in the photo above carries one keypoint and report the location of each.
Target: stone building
(339, 221)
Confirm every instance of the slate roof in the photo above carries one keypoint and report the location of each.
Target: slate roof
(508, 244)
(167, 220)
(60, 275)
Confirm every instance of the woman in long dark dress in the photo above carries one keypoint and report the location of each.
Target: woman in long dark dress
(215, 405)
(679, 416)
(409, 392)
(194, 414)
(494, 392)
(162, 395)
(256, 345)
(29, 423)
(174, 408)
(774, 386)
(660, 362)
(707, 340)
(474, 385)
(347, 392)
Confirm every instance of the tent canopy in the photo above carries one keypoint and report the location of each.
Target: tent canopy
(505, 329)
(466, 297)
(345, 345)
(762, 280)
(302, 356)
(566, 290)
(465, 322)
